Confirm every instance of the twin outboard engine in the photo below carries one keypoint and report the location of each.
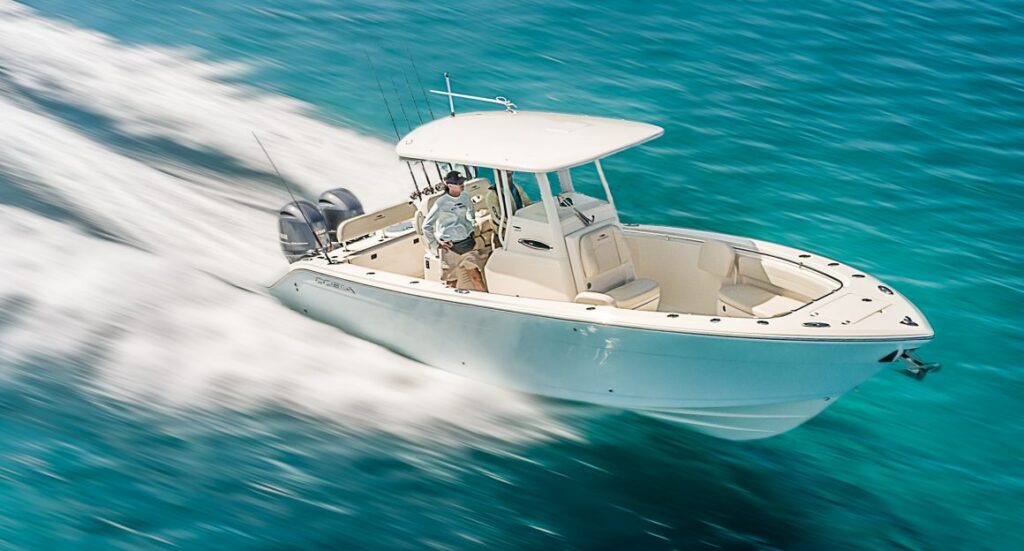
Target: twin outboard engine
(297, 239)
(338, 205)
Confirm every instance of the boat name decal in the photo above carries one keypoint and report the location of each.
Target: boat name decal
(334, 284)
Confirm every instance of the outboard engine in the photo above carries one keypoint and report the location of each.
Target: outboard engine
(338, 205)
(297, 240)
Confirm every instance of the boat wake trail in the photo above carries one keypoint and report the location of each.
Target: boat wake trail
(140, 234)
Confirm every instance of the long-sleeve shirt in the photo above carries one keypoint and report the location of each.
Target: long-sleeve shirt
(450, 219)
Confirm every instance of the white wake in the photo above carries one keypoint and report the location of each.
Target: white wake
(159, 313)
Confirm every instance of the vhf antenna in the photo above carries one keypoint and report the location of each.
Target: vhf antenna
(451, 100)
(292, 195)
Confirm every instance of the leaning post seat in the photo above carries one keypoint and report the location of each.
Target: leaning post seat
(737, 299)
(610, 275)
(477, 189)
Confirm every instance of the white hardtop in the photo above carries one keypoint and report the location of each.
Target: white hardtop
(527, 141)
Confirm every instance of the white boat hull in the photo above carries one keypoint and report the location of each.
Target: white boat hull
(736, 388)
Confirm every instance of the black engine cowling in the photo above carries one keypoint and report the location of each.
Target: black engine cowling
(294, 221)
(338, 205)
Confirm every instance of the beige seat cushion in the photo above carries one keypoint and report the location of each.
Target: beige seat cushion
(608, 270)
(639, 294)
(717, 258)
(757, 301)
(606, 262)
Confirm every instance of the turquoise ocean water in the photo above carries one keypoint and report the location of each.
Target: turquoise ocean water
(152, 395)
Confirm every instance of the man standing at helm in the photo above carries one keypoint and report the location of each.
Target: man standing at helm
(448, 229)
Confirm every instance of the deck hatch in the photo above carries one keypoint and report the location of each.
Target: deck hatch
(849, 309)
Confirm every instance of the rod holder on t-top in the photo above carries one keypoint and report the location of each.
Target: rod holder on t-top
(509, 106)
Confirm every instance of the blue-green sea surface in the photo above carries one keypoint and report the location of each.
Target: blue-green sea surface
(153, 395)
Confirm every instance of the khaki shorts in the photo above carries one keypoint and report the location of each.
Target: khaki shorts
(454, 265)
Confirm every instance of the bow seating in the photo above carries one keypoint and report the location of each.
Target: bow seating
(741, 296)
(609, 274)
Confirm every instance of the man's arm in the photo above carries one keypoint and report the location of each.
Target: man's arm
(428, 226)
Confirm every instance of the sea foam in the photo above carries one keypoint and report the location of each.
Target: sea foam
(157, 285)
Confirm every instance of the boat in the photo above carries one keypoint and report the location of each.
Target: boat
(731, 336)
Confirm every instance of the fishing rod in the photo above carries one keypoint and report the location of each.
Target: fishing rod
(398, 135)
(426, 101)
(408, 86)
(401, 104)
(407, 123)
(419, 116)
(423, 89)
(294, 201)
